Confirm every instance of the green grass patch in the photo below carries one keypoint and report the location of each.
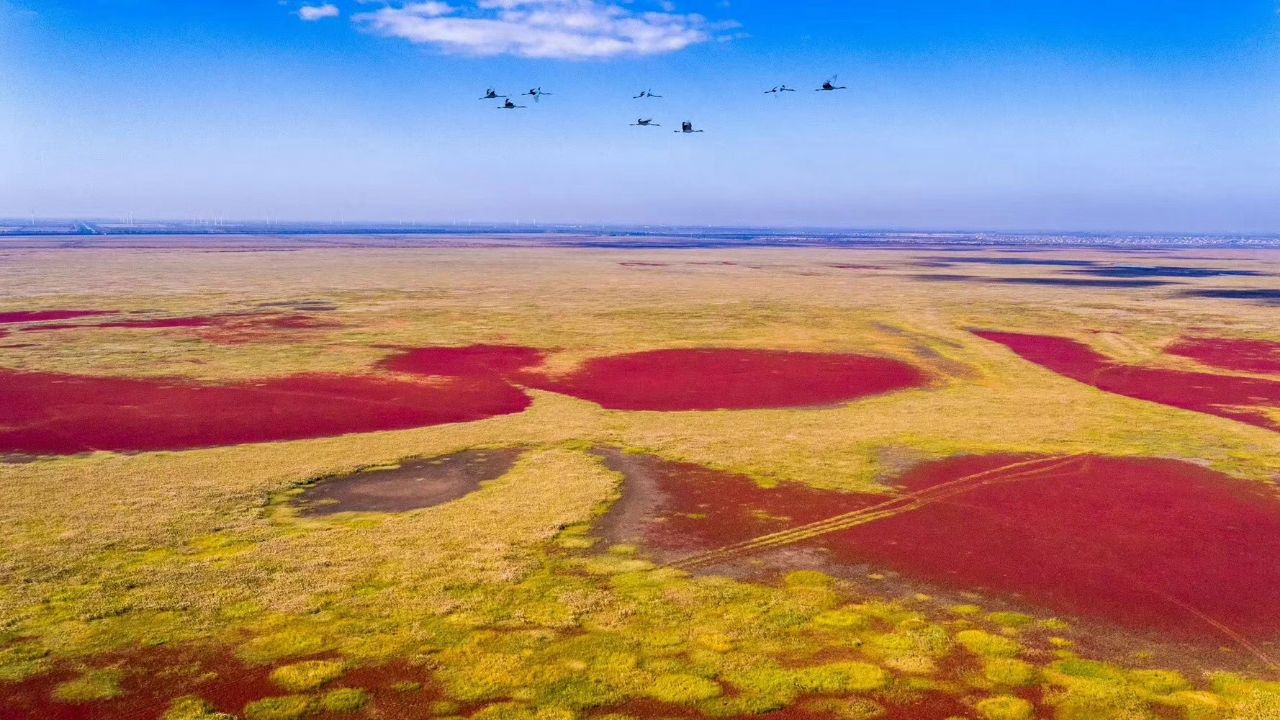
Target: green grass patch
(344, 700)
(288, 707)
(841, 619)
(309, 675)
(92, 686)
(840, 678)
(193, 708)
(19, 662)
(1159, 682)
(1005, 707)
(1010, 619)
(683, 689)
(980, 642)
(1009, 672)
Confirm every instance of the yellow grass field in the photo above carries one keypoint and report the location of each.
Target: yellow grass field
(130, 580)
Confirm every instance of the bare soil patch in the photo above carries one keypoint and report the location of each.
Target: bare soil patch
(414, 485)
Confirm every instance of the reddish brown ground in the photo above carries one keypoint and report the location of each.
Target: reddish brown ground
(154, 678)
(1257, 356)
(177, 322)
(1224, 395)
(470, 361)
(1144, 543)
(26, 316)
(678, 509)
(715, 379)
(223, 329)
(49, 413)
(238, 329)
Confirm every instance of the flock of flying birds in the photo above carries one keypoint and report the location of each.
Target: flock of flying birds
(686, 127)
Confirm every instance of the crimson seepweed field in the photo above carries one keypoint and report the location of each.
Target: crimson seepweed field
(258, 480)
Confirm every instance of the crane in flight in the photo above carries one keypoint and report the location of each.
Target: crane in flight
(641, 122)
(536, 94)
(645, 94)
(686, 128)
(491, 94)
(779, 90)
(508, 105)
(830, 85)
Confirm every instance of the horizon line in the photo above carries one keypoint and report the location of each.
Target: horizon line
(15, 226)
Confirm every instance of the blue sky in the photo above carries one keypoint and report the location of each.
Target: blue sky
(1087, 115)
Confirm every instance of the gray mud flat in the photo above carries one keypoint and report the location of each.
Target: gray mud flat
(642, 501)
(415, 485)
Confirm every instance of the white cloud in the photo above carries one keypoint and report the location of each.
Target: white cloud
(311, 13)
(561, 29)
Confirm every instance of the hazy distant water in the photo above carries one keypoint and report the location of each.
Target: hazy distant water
(77, 234)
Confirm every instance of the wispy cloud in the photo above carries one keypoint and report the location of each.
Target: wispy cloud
(560, 29)
(311, 13)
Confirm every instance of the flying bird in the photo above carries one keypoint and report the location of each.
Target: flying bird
(508, 105)
(686, 128)
(641, 122)
(536, 94)
(779, 89)
(491, 94)
(830, 85)
(645, 94)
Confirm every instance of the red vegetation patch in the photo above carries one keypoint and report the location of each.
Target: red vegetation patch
(391, 698)
(677, 509)
(48, 413)
(155, 678)
(469, 361)
(1148, 544)
(26, 316)
(715, 379)
(1226, 396)
(1145, 543)
(1257, 356)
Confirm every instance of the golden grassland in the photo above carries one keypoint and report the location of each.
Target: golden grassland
(502, 595)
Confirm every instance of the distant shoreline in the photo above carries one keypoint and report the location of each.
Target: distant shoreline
(72, 234)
